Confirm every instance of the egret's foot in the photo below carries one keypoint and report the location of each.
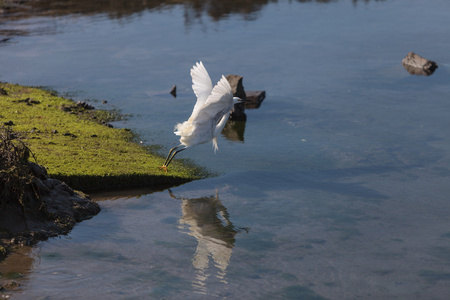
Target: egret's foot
(163, 168)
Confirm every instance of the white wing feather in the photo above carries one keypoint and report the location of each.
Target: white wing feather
(219, 103)
(201, 84)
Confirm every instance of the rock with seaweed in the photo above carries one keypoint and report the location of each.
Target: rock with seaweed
(34, 207)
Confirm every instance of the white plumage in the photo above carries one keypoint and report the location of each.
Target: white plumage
(210, 113)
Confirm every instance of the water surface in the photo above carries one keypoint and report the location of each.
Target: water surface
(337, 188)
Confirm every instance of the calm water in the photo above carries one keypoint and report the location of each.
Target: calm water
(338, 188)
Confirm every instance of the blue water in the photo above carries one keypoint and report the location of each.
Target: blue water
(338, 190)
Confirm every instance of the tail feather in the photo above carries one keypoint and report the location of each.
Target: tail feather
(184, 129)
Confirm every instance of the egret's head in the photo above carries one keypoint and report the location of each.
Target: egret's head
(237, 100)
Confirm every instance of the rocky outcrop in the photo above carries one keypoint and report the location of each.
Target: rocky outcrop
(252, 99)
(48, 207)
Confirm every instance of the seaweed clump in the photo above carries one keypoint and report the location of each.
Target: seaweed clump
(15, 173)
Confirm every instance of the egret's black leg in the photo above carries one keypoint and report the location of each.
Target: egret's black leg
(170, 156)
(173, 155)
(170, 152)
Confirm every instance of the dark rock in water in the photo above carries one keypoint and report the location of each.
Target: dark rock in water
(417, 65)
(173, 91)
(254, 99)
(238, 112)
(236, 85)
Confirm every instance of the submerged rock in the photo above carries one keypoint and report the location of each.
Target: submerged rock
(417, 65)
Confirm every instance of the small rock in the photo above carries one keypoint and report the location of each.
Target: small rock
(54, 131)
(417, 65)
(104, 101)
(28, 101)
(70, 134)
(173, 91)
(9, 123)
(3, 92)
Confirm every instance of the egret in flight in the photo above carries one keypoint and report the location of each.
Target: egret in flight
(211, 112)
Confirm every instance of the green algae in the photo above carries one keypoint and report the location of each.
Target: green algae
(76, 148)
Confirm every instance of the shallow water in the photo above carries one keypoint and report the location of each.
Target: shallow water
(338, 189)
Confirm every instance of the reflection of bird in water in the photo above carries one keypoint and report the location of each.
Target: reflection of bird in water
(209, 223)
(211, 112)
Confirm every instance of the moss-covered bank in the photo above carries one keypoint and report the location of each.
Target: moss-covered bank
(70, 141)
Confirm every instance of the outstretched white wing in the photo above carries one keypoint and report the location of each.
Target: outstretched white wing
(219, 103)
(201, 84)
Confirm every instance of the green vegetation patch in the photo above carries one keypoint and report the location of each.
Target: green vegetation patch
(75, 146)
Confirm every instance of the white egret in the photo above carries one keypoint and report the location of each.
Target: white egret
(211, 112)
